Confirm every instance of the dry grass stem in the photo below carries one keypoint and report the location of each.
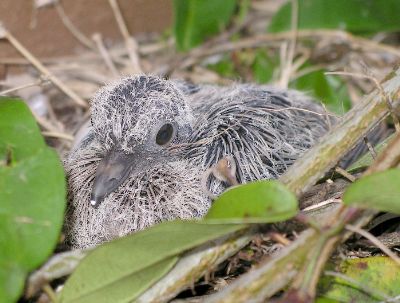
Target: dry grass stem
(345, 174)
(265, 39)
(370, 148)
(287, 69)
(58, 135)
(72, 28)
(105, 54)
(378, 85)
(375, 241)
(46, 73)
(130, 42)
(39, 82)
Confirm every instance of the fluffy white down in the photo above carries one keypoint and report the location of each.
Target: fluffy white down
(165, 192)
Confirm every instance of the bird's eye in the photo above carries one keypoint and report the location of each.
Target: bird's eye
(165, 134)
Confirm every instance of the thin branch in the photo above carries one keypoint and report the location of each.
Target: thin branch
(266, 39)
(370, 148)
(375, 241)
(345, 174)
(72, 28)
(130, 42)
(50, 293)
(58, 135)
(270, 277)
(39, 66)
(105, 54)
(41, 81)
(288, 61)
(378, 85)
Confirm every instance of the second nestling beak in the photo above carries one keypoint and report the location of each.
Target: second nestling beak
(111, 172)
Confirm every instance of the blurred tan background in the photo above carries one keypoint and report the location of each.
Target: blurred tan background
(39, 27)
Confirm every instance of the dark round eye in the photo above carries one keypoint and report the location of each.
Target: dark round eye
(165, 134)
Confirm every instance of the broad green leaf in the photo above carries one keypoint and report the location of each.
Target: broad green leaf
(263, 201)
(32, 197)
(196, 20)
(125, 267)
(362, 16)
(379, 275)
(331, 90)
(379, 191)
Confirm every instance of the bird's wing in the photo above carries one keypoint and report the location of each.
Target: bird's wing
(264, 129)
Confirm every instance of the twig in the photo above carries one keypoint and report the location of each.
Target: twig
(259, 40)
(268, 278)
(105, 54)
(288, 61)
(58, 135)
(370, 148)
(56, 267)
(36, 63)
(385, 97)
(50, 293)
(39, 82)
(345, 174)
(130, 42)
(72, 28)
(374, 240)
(322, 204)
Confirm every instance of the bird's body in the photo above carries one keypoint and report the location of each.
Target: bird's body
(152, 140)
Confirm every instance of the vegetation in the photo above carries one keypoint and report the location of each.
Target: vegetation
(33, 191)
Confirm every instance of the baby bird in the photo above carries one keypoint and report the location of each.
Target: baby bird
(151, 141)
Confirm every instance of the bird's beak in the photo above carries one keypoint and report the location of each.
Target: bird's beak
(111, 172)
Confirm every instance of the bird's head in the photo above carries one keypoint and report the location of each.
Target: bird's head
(139, 121)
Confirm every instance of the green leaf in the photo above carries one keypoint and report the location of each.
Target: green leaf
(224, 67)
(196, 20)
(379, 191)
(379, 275)
(361, 16)
(331, 90)
(32, 195)
(367, 159)
(263, 201)
(124, 268)
(263, 67)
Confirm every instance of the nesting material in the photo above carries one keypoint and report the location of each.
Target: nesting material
(263, 129)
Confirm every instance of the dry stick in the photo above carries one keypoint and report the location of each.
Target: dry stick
(256, 41)
(307, 284)
(375, 241)
(58, 135)
(72, 28)
(271, 276)
(56, 267)
(130, 42)
(39, 82)
(288, 61)
(370, 148)
(105, 54)
(301, 176)
(345, 174)
(36, 63)
(268, 278)
(385, 97)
